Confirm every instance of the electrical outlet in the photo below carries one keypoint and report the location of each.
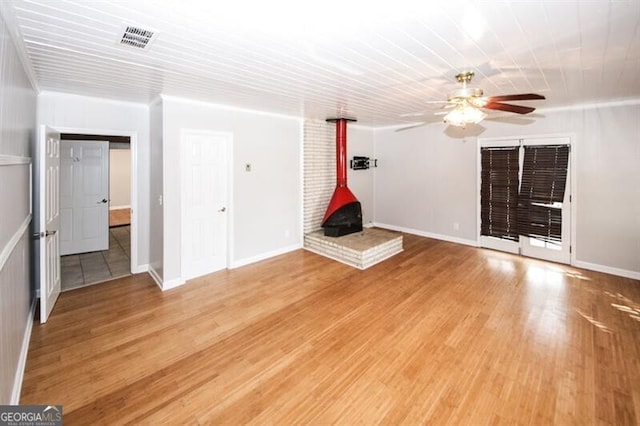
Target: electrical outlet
(456, 226)
(247, 167)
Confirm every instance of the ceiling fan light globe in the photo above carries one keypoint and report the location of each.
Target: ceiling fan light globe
(464, 115)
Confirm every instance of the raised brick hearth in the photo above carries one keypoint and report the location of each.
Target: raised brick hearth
(360, 250)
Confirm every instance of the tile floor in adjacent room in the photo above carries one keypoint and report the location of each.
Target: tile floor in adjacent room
(89, 268)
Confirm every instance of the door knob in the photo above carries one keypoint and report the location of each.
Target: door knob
(44, 234)
(104, 200)
(222, 209)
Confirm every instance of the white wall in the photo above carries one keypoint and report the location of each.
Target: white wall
(119, 178)
(360, 182)
(17, 130)
(267, 202)
(102, 116)
(427, 180)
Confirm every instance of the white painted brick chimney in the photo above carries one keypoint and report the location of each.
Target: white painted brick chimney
(319, 171)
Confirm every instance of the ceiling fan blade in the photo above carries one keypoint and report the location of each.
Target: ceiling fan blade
(445, 105)
(509, 107)
(402, 129)
(520, 97)
(412, 114)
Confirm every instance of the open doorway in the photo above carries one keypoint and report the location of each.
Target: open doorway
(95, 205)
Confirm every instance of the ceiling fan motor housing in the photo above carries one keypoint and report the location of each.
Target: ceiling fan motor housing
(464, 93)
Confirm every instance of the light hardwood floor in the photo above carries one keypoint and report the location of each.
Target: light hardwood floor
(119, 217)
(439, 334)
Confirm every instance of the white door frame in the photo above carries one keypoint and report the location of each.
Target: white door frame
(497, 141)
(229, 136)
(133, 139)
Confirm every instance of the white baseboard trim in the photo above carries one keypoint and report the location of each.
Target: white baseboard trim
(140, 269)
(119, 207)
(607, 269)
(448, 238)
(176, 282)
(155, 276)
(164, 285)
(22, 361)
(264, 256)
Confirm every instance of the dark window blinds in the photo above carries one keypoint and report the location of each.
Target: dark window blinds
(499, 192)
(544, 177)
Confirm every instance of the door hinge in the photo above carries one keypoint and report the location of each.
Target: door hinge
(570, 198)
(570, 248)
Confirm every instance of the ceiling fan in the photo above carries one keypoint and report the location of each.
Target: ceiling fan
(465, 105)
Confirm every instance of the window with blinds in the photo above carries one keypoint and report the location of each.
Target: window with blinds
(499, 192)
(543, 182)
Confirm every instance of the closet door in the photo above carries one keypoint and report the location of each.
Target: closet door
(205, 201)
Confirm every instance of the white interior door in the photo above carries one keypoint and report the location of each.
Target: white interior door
(84, 196)
(49, 237)
(204, 204)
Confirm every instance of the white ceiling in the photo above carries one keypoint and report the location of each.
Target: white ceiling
(375, 61)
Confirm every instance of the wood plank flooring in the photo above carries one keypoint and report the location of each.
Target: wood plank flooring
(439, 334)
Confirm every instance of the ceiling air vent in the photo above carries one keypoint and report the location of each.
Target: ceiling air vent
(137, 37)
